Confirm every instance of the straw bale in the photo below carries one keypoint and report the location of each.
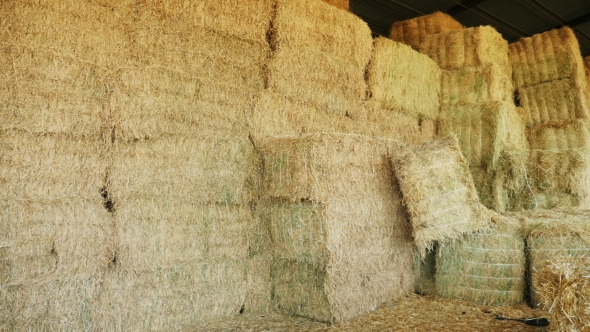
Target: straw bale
(159, 233)
(476, 85)
(61, 304)
(197, 170)
(548, 56)
(313, 24)
(414, 31)
(175, 298)
(428, 130)
(50, 166)
(425, 272)
(342, 4)
(400, 78)
(41, 240)
(490, 190)
(317, 78)
(470, 47)
(486, 268)
(553, 234)
(559, 100)
(438, 192)
(259, 287)
(564, 291)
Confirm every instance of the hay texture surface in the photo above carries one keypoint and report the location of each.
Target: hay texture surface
(545, 57)
(476, 85)
(438, 192)
(400, 78)
(471, 47)
(414, 31)
(564, 291)
(340, 240)
(486, 268)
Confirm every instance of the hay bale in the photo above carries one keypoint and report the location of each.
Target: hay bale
(548, 56)
(425, 272)
(559, 100)
(471, 47)
(414, 31)
(428, 130)
(486, 268)
(438, 192)
(342, 4)
(175, 298)
(340, 239)
(199, 170)
(476, 85)
(551, 235)
(159, 232)
(564, 291)
(400, 78)
(259, 287)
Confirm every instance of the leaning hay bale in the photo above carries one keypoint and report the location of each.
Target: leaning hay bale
(60, 304)
(476, 85)
(438, 192)
(471, 47)
(400, 78)
(548, 56)
(414, 31)
(486, 268)
(303, 24)
(425, 272)
(258, 296)
(559, 100)
(340, 238)
(175, 298)
(156, 232)
(198, 170)
(342, 4)
(564, 291)
(51, 166)
(49, 239)
(317, 78)
(554, 234)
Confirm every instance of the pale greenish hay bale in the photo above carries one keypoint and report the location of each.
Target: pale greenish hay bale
(342, 4)
(48, 239)
(317, 78)
(476, 85)
(175, 298)
(258, 296)
(400, 78)
(314, 24)
(470, 47)
(565, 292)
(438, 192)
(157, 232)
(200, 170)
(553, 234)
(60, 304)
(486, 268)
(39, 167)
(425, 272)
(414, 31)
(558, 100)
(548, 56)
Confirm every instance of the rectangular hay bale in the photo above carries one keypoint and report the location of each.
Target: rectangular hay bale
(413, 31)
(476, 85)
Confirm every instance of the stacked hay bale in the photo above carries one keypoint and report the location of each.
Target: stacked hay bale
(414, 31)
(342, 4)
(477, 106)
(341, 243)
(551, 86)
(55, 233)
(183, 170)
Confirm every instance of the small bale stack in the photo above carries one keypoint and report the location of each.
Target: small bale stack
(183, 171)
(551, 87)
(56, 237)
(477, 106)
(340, 241)
(552, 235)
(564, 290)
(486, 268)
(413, 31)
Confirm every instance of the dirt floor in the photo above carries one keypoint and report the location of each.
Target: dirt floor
(412, 313)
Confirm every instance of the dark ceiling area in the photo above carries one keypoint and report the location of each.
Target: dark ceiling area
(514, 19)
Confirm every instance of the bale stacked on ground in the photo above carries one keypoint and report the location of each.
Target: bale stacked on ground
(486, 268)
(402, 79)
(439, 193)
(341, 244)
(414, 31)
(320, 55)
(564, 291)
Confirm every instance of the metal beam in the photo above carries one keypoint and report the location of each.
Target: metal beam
(465, 5)
(579, 20)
